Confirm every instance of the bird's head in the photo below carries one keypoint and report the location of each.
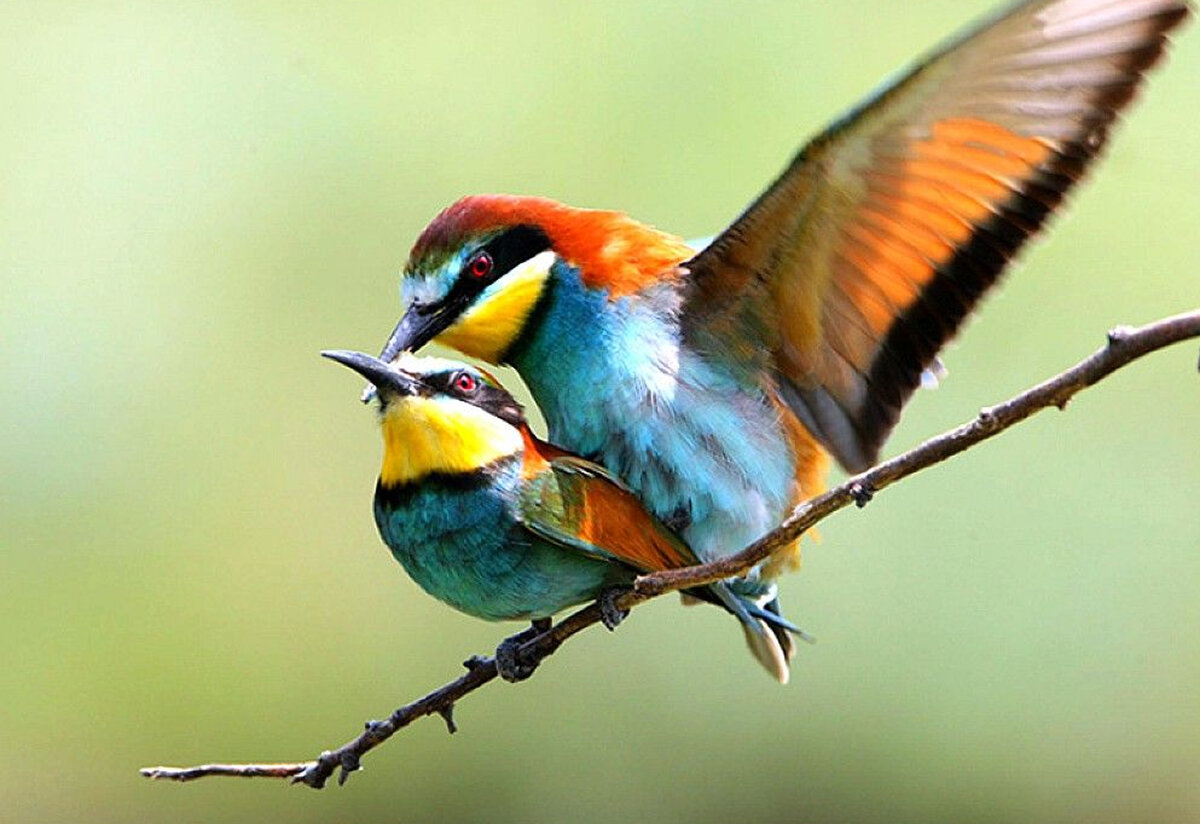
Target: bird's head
(439, 417)
(478, 271)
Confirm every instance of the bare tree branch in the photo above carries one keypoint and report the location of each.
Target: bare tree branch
(1124, 345)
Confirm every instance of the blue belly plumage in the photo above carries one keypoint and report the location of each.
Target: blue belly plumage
(461, 542)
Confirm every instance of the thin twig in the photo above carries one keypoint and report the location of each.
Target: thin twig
(480, 670)
(1124, 345)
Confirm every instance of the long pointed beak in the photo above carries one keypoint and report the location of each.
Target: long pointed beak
(419, 325)
(385, 379)
(407, 336)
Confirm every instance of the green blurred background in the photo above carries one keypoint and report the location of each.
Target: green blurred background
(196, 198)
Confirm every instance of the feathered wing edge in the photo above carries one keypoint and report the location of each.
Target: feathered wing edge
(844, 279)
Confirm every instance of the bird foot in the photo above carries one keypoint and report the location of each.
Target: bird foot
(612, 615)
(511, 664)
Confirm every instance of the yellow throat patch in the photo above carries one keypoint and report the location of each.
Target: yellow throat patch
(497, 317)
(422, 436)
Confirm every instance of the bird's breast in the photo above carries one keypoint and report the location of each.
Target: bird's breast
(707, 451)
(459, 540)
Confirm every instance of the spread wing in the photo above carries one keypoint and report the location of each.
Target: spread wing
(578, 505)
(849, 273)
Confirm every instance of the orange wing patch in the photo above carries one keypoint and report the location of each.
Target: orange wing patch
(605, 514)
(923, 205)
(919, 212)
(538, 455)
(617, 522)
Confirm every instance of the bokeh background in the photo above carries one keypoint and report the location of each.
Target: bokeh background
(195, 198)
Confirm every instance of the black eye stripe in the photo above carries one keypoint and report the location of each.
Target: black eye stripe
(443, 382)
(487, 397)
(515, 246)
(507, 250)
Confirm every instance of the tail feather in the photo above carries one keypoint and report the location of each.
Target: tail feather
(768, 633)
(783, 635)
(770, 613)
(764, 645)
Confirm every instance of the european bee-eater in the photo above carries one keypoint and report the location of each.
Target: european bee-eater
(500, 525)
(715, 383)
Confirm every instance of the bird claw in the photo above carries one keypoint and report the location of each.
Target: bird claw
(475, 662)
(862, 494)
(511, 664)
(612, 615)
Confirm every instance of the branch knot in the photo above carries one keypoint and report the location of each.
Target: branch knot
(987, 419)
(1120, 335)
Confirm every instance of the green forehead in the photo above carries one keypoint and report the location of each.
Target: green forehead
(433, 261)
(445, 258)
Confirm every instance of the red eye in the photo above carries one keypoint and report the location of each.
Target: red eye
(480, 265)
(466, 383)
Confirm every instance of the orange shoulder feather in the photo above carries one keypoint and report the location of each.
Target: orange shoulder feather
(602, 512)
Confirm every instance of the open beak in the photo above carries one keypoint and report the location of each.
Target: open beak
(386, 380)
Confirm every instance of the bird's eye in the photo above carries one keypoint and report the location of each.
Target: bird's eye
(466, 383)
(480, 265)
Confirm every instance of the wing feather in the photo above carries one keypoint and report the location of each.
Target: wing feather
(580, 506)
(861, 260)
